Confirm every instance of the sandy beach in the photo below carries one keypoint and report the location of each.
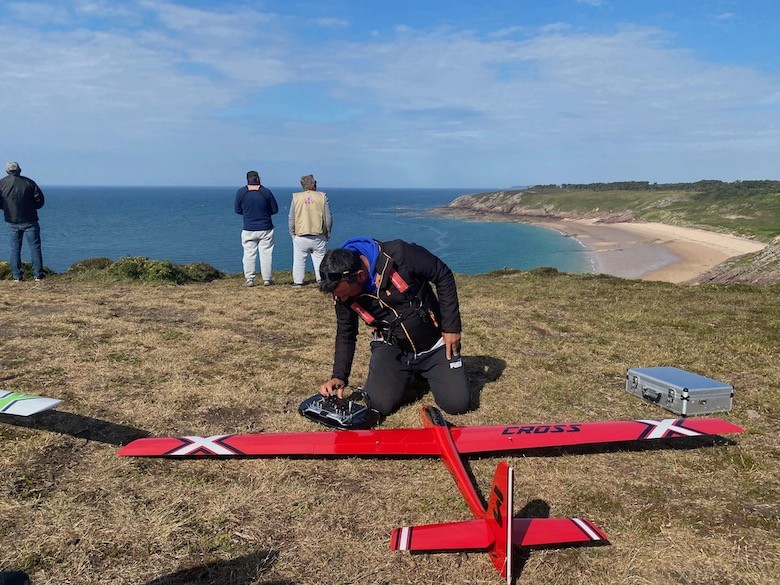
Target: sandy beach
(653, 251)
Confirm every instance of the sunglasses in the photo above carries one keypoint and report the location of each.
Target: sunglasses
(334, 276)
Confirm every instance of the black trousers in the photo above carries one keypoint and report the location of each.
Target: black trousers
(390, 371)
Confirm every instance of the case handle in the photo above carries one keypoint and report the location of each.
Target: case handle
(650, 394)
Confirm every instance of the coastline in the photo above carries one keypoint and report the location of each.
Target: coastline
(652, 251)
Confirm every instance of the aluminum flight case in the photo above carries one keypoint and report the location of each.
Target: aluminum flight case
(678, 391)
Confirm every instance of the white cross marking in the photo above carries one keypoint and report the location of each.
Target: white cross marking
(661, 427)
(208, 443)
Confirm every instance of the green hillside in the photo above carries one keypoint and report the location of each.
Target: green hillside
(750, 208)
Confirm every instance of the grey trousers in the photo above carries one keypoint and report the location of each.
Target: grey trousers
(258, 243)
(302, 246)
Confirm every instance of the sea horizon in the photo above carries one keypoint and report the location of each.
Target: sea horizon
(198, 224)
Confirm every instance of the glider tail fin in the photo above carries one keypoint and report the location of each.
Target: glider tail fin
(500, 518)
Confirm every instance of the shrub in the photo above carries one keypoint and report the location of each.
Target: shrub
(27, 271)
(160, 271)
(545, 271)
(202, 272)
(164, 271)
(91, 264)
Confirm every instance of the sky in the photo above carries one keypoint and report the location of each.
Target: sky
(396, 93)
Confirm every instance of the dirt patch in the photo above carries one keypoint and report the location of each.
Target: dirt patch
(40, 476)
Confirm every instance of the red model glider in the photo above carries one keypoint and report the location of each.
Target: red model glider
(494, 529)
(467, 440)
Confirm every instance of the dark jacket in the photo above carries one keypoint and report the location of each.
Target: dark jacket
(404, 311)
(257, 207)
(20, 199)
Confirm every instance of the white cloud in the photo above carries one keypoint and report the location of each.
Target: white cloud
(38, 12)
(331, 22)
(418, 104)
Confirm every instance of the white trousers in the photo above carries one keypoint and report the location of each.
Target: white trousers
(261, 242)
(303, 245)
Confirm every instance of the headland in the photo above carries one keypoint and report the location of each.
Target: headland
(681, 233)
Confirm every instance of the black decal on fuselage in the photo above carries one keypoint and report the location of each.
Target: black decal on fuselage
(499, 503)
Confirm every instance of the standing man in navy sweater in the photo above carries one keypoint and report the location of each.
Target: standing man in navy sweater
(257, 204)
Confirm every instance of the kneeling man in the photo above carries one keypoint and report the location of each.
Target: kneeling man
(388, 285)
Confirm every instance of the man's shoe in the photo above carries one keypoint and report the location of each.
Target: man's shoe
(249, 282)
(17, 280)
(268, 283)
(298, 285)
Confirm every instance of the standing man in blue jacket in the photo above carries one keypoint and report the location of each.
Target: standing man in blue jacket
(257, 204)
(20, 199)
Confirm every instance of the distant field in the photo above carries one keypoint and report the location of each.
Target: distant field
(731, 207)
(214, 358)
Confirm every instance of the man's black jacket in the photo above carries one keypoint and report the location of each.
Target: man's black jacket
(20, 199)
(404, 310)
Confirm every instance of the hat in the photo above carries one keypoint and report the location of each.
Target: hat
(253, 178)
(12, 167)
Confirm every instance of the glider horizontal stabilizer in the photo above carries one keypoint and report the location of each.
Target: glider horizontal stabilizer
(492, 533)
(475, 535)
(471, 535)
(424, 441)
(540, 532)
(24, 404)
(498, 531)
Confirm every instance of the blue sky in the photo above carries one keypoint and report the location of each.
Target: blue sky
(451, 93)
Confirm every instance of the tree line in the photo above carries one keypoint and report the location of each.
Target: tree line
(708, 188)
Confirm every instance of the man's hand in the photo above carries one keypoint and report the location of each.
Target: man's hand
(451, 344)
(333, 386)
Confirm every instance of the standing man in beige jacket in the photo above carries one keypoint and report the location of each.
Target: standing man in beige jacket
(310, 224)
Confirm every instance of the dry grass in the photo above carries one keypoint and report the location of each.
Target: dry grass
(218, 358)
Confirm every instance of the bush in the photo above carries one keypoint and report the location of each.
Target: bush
(545, 271)
(27, 271)
(202, 272)
(91, 264)
(159, 271)
(135, 268)
(146, 270)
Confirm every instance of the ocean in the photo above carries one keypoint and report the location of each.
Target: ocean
(194, 224)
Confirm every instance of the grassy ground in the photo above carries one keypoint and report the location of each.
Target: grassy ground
(137, 360)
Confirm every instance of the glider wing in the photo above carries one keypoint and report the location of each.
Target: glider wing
(384, 442)
(519, 437)
(372, 443)
(24, 404)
